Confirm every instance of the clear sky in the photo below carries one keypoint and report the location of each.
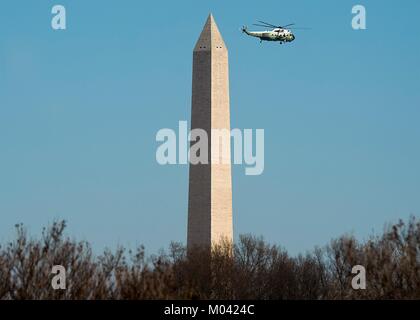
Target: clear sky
(79, 110)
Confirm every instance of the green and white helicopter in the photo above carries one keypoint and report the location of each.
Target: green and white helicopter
(278, 33)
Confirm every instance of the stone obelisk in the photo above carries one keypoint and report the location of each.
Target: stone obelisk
(210, 185)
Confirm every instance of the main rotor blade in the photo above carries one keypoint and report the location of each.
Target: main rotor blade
(299, 28)
(264, 26)
(290, 24)
(268, 24)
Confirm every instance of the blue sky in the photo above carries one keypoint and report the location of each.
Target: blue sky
(79, 110)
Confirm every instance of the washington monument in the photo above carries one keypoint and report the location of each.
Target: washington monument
(210, 185)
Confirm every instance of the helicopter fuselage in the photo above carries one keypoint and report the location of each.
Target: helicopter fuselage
(281, 35)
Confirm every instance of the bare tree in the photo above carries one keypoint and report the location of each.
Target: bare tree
(250, 269)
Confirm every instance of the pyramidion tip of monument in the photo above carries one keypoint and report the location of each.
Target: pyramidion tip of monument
(211, 17)
(210, 38)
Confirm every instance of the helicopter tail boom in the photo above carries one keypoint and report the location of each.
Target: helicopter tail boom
(251, 33)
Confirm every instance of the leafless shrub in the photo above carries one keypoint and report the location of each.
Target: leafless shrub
(250, 269)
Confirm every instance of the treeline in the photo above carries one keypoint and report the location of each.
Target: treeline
(251, 269)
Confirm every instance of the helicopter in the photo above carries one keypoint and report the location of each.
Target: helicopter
(278, 33)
